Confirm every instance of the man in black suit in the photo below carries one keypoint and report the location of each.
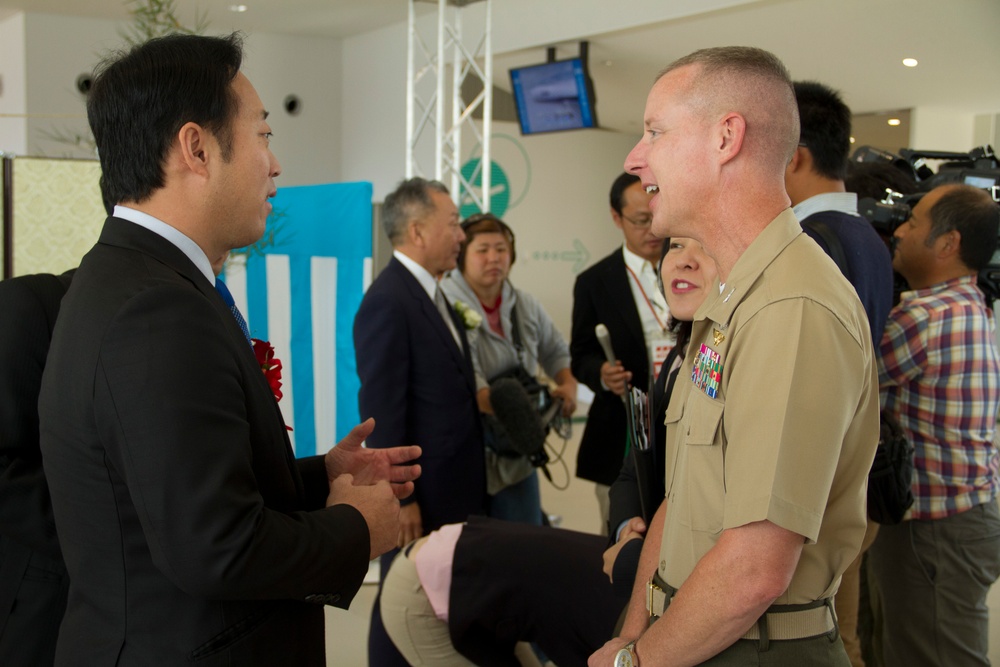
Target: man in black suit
(619, 292)
(814, 180)
(416, 372)
(33, 578)
(189, 529)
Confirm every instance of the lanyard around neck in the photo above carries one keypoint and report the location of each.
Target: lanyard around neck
(649, 303)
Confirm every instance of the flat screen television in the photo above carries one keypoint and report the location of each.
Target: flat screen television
(554, 96)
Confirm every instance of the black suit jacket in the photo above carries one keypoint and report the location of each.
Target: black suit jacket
(190, 531)
(33, 578)
(516, 582)
(602, 294)
(420, 388)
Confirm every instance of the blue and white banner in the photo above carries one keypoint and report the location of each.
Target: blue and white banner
(301, 294)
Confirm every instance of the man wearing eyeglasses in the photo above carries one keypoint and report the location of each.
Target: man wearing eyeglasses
(619, 292)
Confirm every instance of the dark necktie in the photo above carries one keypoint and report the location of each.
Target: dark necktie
(227, 298)
(443, 307)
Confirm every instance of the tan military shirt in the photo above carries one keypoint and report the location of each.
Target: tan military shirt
(774, 414)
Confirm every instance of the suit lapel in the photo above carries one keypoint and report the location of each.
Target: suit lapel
(466, 350)
(616, 281)
(122, 233)
(461, 355)
(125, 234)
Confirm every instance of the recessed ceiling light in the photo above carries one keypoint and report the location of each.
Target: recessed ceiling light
(910, 62)
(852, 140)
(894, 121)
(238, 8)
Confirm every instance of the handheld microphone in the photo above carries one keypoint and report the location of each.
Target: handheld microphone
(518, 416)
(604, 338)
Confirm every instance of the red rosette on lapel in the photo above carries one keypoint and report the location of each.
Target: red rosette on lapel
(270, 366)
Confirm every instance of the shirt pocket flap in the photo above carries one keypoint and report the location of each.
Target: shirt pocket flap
(706, 416)
(674, 412)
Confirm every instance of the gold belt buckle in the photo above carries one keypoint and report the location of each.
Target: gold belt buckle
(650, 587)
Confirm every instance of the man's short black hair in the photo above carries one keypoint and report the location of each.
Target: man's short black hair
(142, 97)
(618, 190)
(976, 217)
(825, 127)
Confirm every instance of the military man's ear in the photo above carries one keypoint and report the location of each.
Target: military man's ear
(732, 131)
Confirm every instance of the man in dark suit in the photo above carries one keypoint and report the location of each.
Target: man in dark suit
(33, 578)
(416, 372)
(814, 180)
(619, 292)
(190, 531)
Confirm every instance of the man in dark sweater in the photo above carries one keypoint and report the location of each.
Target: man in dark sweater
(814, 180)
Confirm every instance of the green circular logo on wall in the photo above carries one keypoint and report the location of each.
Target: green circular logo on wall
(499, 189)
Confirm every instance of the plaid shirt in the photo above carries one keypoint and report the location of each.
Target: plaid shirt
(939, 373)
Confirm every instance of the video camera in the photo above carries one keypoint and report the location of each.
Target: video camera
(979, 168)
(524, 413)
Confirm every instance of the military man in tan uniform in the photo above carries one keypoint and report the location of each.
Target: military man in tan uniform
(774, 419)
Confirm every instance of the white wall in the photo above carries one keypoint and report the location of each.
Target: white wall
(55, 50)
(562, 224)
(13, 102)
(987, 130)
(58, 49)
(373, 118)
(308, 144)
(941, 129)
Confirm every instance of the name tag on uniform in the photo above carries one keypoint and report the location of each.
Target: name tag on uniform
(707, 372)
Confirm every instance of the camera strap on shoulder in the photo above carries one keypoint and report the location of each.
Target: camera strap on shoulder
(515, 335)
(833, 245)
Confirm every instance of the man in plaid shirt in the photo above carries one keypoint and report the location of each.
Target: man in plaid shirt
(939, 374)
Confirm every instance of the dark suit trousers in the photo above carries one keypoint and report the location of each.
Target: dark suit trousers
(33, 592)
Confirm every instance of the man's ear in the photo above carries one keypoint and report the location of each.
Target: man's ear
(801, 159)
(414, 233)
(949, 244)
(617, 218)
(732, 130)
(195, 147)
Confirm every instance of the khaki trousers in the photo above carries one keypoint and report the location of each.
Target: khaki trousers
(409, 619)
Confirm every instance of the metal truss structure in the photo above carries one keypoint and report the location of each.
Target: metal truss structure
(427, 98)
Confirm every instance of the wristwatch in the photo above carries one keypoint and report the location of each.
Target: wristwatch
(626, 656)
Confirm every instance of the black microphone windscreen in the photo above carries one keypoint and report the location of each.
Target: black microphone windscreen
(519, 417)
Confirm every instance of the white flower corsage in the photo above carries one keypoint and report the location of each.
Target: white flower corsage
(470, 318)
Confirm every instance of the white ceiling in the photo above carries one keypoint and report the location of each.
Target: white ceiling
(854, 45)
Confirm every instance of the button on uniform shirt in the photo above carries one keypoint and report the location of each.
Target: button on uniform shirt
(939, 373)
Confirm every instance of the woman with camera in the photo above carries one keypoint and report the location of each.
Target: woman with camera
(507, 329)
